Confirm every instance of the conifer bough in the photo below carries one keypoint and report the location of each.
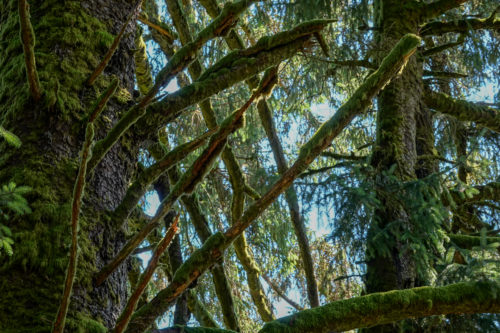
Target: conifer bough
(213, 249)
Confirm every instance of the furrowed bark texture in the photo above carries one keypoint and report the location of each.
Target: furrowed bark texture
(235, 42)
(72, 37)
(213, 249)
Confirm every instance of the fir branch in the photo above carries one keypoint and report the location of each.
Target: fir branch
(28, 41)
(213, 249)
(352, 63)
(463, 110)
(107, 57)
(468, 242)
(127, 312)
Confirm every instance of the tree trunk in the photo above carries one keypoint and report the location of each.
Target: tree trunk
(72, 37)
(396, 149)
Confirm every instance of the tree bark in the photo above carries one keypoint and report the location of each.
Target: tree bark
(72, 37)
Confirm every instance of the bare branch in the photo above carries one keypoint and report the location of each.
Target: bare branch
(281, 293)
(445, 75)
(28, 41)
(158, 26)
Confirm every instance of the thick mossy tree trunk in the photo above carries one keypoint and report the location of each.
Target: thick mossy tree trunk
(71, 39)
(398, 105)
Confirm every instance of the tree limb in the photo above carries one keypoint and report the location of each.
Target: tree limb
(28, 41)
(441, 48)
(124, 318)
(436, 8)
(212, 250)
(180, 60)
(392, 306)
(459, 26)
(445, 75)
(463, 110)
(280, 292)
(149, 175)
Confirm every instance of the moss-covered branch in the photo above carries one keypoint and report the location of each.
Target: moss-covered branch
(463, 110)
(221, 283)
(213, 249)
(468, 242)
(186, 184)
(179, 61)
(28, 41)
(122, 322)
(199, 310)
(490, 191)
(114, 46)
(150, 174)
(459, 26)
(142, 67)
(392, 306)
(235, 67)
(436, 8)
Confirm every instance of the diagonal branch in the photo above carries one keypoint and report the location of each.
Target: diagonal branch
(213, 249)
(464, 110)
(28, 41)
(441, 48)
(122, 322)
(186, 184)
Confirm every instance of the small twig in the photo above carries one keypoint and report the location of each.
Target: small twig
(28, 41)
(122, 322)
(113, 47)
